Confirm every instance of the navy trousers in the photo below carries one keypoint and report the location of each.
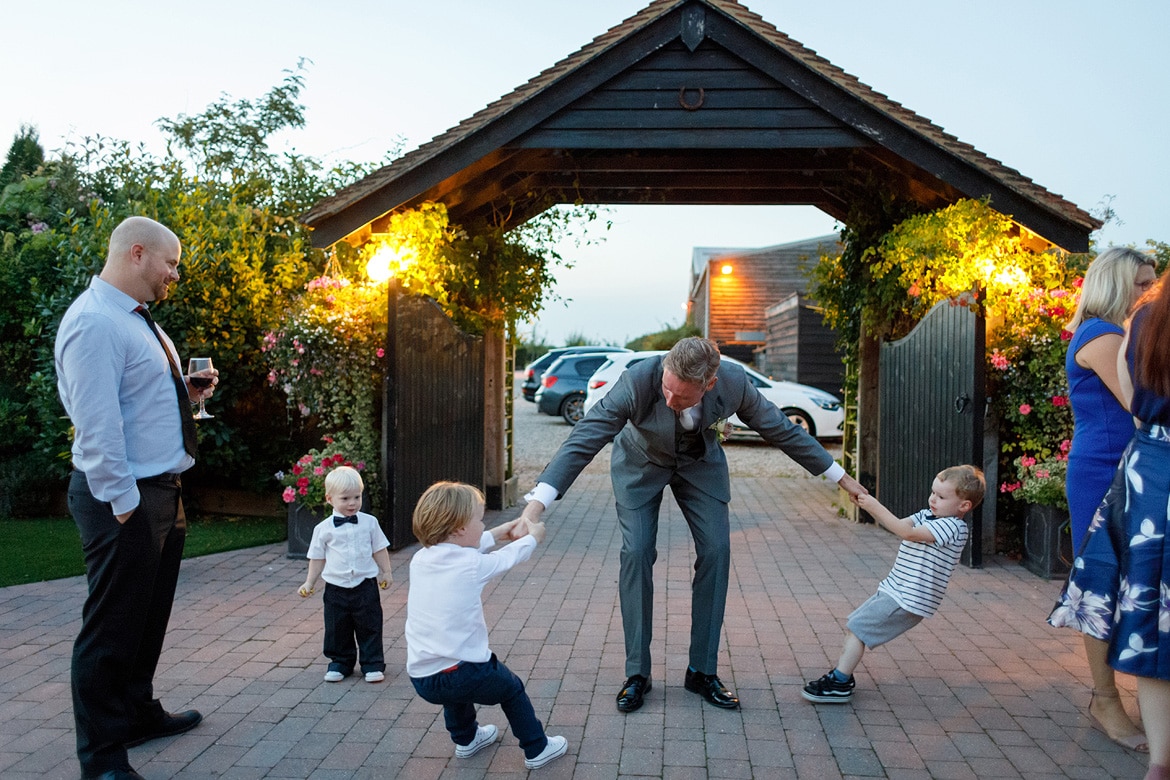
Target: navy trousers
(483, 683)
(354, 614)
(132, 570)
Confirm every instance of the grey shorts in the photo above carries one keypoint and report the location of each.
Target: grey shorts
(880, 619)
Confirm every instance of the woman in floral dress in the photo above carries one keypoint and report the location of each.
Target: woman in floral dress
(1119, 588)
(1102, 428)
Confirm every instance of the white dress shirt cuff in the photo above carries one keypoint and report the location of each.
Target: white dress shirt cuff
(834, 472)
(544, 493)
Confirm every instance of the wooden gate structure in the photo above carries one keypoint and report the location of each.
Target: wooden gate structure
(685, 102)
(933, 400)
(432, 422)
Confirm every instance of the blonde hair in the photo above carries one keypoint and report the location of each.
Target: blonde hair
(693, 359)
(343, 478)
(1107, 291)
(968, 481)
(445, 508)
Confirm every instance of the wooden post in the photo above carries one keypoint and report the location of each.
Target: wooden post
(494, 387)
(390, 520)
(868, 409)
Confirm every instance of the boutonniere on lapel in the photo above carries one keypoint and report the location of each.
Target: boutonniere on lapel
(721, 428)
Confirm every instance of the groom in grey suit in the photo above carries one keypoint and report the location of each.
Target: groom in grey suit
(664, 417)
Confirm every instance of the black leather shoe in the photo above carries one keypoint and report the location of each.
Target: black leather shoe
(170, 724)
(629, 698)
(710, 688)
(115, 774)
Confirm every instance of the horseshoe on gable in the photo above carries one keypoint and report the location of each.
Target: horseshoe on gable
(682, 99)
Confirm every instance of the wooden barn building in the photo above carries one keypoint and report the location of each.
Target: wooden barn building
(753, 303)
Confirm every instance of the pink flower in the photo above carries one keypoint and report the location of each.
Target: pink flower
(1065, 335)
(1059, 400)
(1066, 445)
(319, 471)
(1027, 461)
(1042, 473)
(1009, 487)
(381, 352)
(289, 495)
(998, 360)
(38, 227)
(1025, 409)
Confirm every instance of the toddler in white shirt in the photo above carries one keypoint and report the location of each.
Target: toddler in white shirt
(348, 550)
(447, 653)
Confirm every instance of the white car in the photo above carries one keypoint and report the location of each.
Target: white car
(818, 412)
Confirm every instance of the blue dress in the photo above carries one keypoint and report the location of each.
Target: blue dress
(1119, 586)
(1101, 429)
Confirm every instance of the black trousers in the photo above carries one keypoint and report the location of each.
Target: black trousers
(354, 613)
(132, 569)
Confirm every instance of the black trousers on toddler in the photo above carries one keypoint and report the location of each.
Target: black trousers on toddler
(354, 614)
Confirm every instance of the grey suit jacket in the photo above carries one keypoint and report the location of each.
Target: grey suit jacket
(645, 433)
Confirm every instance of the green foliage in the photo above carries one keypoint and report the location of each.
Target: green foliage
(1039, 481)
(845, 286)
(39, 549)
(232, 202)
(665, 338)
(25, 156)
(305, 481)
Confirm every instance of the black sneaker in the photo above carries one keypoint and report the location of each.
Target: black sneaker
(828, 690)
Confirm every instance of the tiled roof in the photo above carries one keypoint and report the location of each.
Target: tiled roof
(922, 127)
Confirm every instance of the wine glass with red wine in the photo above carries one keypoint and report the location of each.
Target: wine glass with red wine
(195, 365)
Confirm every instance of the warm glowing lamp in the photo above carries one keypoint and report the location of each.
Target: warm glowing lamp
(378, 266)
(727, 269)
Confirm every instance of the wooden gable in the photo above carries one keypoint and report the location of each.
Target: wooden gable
(692, 102)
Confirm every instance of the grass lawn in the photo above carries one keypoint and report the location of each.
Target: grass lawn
(37, 549)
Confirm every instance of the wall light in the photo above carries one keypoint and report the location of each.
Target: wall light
(727, 269)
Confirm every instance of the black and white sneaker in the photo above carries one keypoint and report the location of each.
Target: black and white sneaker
(828, 690)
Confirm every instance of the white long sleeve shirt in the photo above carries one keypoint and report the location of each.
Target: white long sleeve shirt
(444, 607)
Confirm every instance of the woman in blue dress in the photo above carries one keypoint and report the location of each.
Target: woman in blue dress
(1119, 588)
(1101, 430)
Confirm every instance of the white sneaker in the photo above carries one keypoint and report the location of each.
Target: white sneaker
(484, 736)
(555, 749)
(375, 677)
(332, 676)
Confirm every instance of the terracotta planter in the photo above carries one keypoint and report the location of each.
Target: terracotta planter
(1048, 549)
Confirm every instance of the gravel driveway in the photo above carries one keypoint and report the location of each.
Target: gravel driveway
(539, 435)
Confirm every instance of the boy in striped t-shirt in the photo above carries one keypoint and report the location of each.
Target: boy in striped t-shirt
(932, 541)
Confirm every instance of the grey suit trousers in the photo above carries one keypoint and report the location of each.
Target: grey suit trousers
(707, 518)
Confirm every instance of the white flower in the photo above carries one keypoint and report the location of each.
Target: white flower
(720, 428)
(1136, 647)
(1146, 534)
(1129, 597)
(1083, 610)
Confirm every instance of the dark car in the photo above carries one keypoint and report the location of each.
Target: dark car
(534, 370)
(562, 388)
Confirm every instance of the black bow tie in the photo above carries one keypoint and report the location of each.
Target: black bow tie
(339, 521)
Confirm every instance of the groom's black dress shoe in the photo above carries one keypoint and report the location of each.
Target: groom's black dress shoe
(115, 774)
(166, 724)
(710, 688)
(629, 698)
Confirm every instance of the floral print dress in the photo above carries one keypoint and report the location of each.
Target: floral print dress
(1119, 586)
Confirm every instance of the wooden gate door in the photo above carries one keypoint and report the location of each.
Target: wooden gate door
(932, 399)
(433, 425)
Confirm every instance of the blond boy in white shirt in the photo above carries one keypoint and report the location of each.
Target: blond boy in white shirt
(447, 653)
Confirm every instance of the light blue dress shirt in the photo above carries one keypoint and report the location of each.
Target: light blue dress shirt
(116, 386)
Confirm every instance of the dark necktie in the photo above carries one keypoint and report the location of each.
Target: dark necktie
(189, 436)
(339, 521)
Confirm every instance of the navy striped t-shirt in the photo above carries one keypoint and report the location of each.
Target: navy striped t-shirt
(922, 570)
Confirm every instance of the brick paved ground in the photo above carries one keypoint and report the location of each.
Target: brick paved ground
(984, 689)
